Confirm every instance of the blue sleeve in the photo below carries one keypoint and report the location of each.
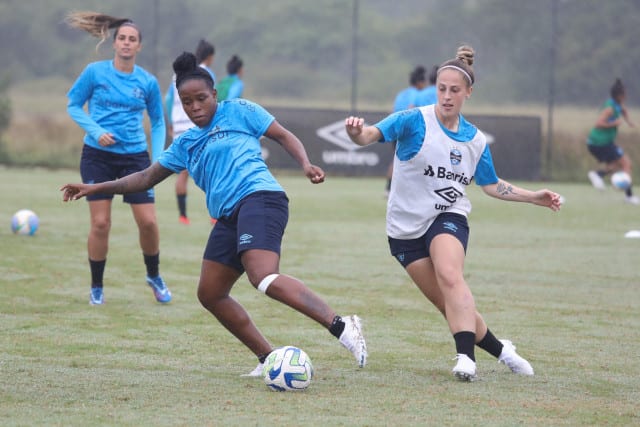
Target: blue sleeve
(156, 116)
(168, 102)
(172, 157)
(485, 171)
(78, 95)
(407, 127)
(395, 126)
(236, 89)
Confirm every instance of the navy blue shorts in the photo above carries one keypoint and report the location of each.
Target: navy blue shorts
(407, 251)
(257, 222)
(606, 153)
(100, 166)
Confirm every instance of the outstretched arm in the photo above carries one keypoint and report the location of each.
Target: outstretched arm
(359, 133)
(133, 183)
(294, 147)
(625, 114)
(504, 190)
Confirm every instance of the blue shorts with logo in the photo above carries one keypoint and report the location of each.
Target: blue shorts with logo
(100, 166)
(606, 153)
(407, 251)
(257, 222)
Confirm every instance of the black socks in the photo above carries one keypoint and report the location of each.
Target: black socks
(152, 262)
(490, 344)
(337, 327)
(182, 204)
(97, 272)
(465, 342)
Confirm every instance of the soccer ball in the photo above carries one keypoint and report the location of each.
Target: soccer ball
(621, 180)
(287, 369)
(25, 222)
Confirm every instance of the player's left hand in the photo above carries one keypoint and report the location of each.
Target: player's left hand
(314, 173)
(547, 198)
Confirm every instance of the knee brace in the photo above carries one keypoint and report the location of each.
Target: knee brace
(264, 283)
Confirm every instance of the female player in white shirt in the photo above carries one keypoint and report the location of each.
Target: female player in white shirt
(438, 155)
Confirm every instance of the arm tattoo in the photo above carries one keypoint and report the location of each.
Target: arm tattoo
(139, 181)
(135, 182)
(504, 189)
(123, 185)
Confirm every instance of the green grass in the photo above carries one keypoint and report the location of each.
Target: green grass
(563, 287)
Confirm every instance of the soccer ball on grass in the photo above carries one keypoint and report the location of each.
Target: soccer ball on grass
(288, 369)
(621, 180)
(25, 222)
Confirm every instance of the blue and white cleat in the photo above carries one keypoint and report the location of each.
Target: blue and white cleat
(160, 290)
(96, 297)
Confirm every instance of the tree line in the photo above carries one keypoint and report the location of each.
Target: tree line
(308, 51)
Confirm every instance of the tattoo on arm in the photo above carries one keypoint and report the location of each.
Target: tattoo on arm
(140, 181)
(504, 188)
(124, 185)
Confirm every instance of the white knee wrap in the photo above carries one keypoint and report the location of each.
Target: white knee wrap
(264, 284)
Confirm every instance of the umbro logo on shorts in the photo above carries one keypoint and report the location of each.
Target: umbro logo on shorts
(246, 239)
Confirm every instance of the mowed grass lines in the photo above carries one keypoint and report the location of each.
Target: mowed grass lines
(563, 286)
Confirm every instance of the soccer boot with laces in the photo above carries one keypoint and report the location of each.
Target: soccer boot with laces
(353, 340)
(160, 290)
(465, 369)
(513, 360)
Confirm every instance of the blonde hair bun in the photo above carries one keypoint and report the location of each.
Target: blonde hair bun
(465, 53)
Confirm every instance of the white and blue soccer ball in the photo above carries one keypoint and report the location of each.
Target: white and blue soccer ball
(288, 369)
(25, 222)
(621, 180)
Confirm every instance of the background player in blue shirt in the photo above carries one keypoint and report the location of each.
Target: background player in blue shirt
(117, 93)
(439, 154)
(223, 156)
(428, 95)
(404, 100)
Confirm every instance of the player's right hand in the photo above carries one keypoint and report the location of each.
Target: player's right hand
(73, 191)
(354, 125)
(106, 139)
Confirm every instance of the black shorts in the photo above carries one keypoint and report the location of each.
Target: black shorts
(407, 251)
(606, 153)
(100, 166)
(257, 222)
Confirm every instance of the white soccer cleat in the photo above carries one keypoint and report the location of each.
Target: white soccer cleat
(596, 180)
(353, 340)
(465, 369)
(632, 200)
(257, 372)
(513, 360)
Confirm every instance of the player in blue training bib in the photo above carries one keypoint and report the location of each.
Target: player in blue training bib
(117, 93)
(438, 155)
(223, 156)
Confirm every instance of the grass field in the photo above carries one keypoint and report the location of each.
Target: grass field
(563, 286)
